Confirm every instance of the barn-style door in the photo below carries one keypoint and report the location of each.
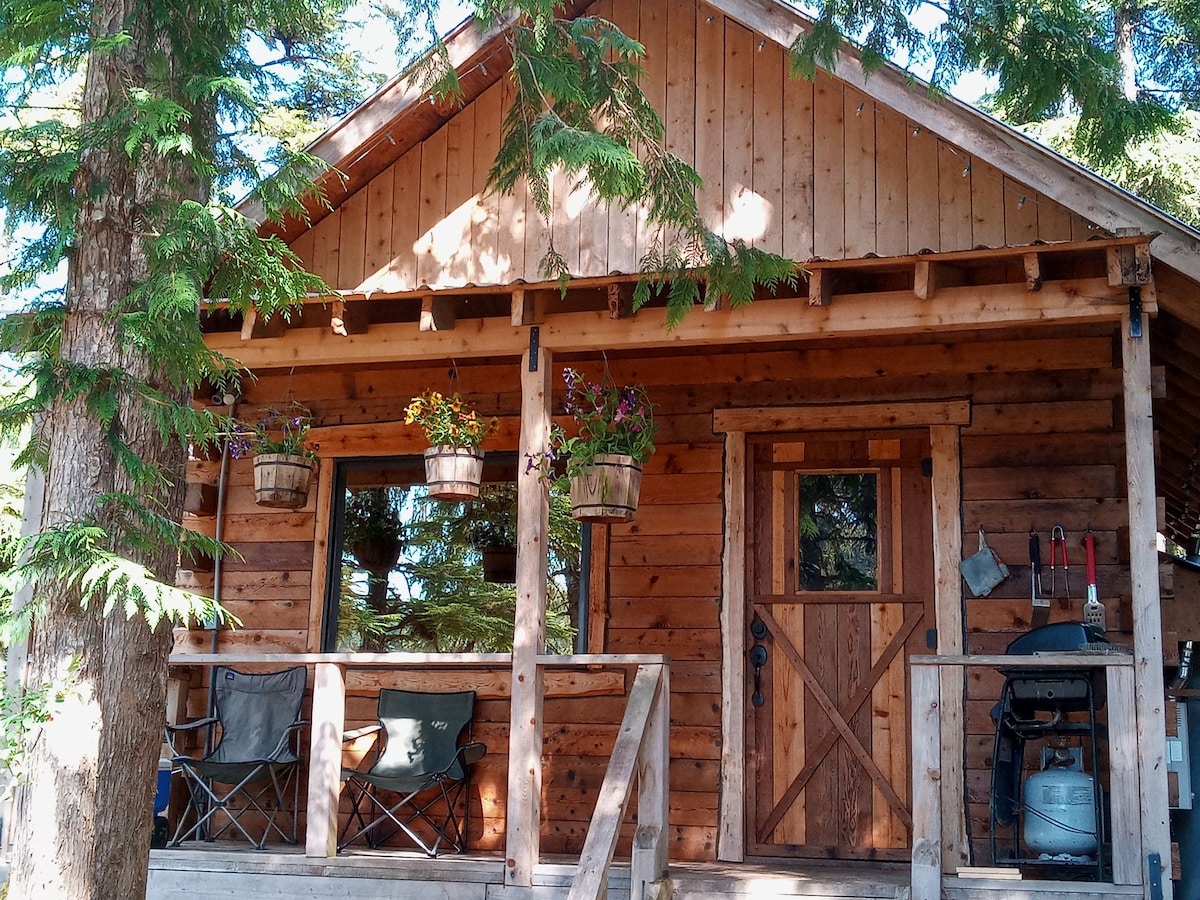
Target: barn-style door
(840, 594)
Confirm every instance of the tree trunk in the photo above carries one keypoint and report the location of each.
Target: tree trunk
(1125, 20)
(83, 821)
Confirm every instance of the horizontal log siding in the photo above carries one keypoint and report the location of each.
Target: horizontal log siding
(803, 168)
(1044, 448)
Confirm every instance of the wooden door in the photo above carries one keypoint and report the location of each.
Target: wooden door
(841, 593)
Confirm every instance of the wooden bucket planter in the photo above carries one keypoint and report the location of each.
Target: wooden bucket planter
(607, 491)
(453, 473)
(281, 480)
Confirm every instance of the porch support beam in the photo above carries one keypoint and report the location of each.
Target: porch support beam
(524, 816)
(731, 835)
(945, 447)
(1147, 614)
(857, 315)
(325, 760)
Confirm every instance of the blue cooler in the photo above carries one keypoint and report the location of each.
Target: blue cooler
(162, 797)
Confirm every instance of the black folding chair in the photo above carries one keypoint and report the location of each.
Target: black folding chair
(254, 766)
(420, 775)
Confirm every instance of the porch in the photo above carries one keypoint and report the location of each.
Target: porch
(209, 873)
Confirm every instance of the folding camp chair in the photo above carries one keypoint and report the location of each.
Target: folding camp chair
(420, 774)
(254, 766)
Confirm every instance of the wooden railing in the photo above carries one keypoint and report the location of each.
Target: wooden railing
(931, 742)
(641, 749)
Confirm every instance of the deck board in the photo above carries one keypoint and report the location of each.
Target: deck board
(207, 872)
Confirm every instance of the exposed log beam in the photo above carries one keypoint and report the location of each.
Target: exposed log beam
(1033, 271)
(620, 300)
(348, 318)
(896, 312)
(820, 287)
(256, 325)
(1129, 264)
(438, 314)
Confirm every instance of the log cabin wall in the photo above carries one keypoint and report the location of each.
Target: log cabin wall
(1044, 448)
(810, 169)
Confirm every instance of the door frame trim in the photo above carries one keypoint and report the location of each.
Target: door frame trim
(944, 420)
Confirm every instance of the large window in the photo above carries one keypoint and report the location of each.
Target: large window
(410, 573)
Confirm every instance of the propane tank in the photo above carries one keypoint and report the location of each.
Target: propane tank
(1060, 806)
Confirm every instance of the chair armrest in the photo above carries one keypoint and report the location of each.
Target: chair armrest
(170, 732)
(190, 726)
(472, 752)
(356, 733)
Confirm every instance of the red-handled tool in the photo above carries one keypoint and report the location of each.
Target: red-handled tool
(1058, 546)
(1093, 609)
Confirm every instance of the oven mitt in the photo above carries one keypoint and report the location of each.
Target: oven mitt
(983, 570)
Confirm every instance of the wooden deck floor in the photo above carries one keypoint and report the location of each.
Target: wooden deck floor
(208, 872)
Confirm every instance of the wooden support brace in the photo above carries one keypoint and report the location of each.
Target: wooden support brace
(348, 318)
(325, 760)
(529, 307)
(522, 839)
(925, 275)
(620, 300)
(1148, 686)
(1033, 271)
(1129, 264)
(437, 313)
(926, 876)
(731, 836)
(820, 287)
(255, 325)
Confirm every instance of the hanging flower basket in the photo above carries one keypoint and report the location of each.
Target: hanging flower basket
(453, 473)
(499, 564)
(607, 490)
(281, 480)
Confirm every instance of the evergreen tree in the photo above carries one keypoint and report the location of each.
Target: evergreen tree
(126, 127)
(1116, 83)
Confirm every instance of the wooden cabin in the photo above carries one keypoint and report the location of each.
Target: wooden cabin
(994, 337)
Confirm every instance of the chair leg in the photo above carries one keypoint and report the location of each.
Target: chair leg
(370, 815)
(262, 792)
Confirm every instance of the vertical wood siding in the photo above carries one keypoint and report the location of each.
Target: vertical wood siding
(806, 169)
(1044, 448)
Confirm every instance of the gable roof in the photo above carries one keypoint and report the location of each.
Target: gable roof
(396, 118)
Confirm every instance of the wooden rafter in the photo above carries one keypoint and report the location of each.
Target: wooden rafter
(860, 315)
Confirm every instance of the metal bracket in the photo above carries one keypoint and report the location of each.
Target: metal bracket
(1154, 885)
(534, 336)
(1135, 311)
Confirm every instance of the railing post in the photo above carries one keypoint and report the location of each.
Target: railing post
(325, 760)
(926, 783)
(649, 862)
(1125, 796)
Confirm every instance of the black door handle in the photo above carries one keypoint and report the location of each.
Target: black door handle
(758, 659)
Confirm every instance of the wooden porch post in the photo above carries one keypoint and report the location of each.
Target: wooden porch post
(524, 815)
(325, 760)
(731, 840)
(945, 447)
(1147, 614)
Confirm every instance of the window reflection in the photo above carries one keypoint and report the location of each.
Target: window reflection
(427, 575)
(838, 532)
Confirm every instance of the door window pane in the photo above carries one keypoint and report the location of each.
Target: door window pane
(838, 531)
